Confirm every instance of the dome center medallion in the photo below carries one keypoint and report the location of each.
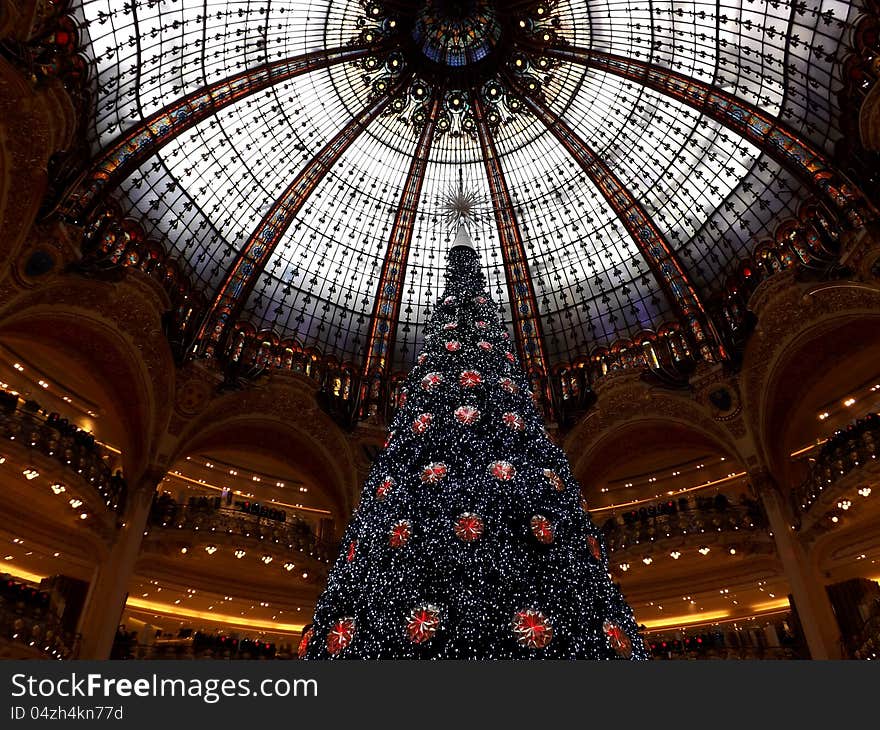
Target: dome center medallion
(456, 33)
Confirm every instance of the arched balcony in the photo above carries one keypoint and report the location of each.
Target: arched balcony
(84, 464)
(28, 627)
(840, 474)
(694, 523)
(205, 523)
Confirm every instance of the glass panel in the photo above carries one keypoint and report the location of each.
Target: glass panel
(710, 193)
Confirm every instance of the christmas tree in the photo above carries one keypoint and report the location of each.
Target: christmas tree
(470, 540)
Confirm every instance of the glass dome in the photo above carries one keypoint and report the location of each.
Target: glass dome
(296, 154)
(457, 32)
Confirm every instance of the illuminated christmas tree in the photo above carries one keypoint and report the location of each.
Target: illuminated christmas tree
(470, 540)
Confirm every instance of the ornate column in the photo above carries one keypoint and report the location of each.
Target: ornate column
(108, 591)
(860, 250)
(869, 120)
(19, 20)
(811, 599)
(37, 119)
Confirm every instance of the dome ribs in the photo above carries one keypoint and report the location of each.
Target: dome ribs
(256, 252)
(149, 135)
(648, 239)
(523, 303)
(386, 307)
(773, 137)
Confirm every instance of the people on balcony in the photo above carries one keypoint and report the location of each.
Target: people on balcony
(776, 640)
(685, 513)
(27, 617)
(241, 519)
(190, 644)
(846, 448)
(64, 441)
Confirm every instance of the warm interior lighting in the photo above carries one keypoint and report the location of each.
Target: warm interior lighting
(770, 605)
(713, 622)
(22, 574)
(697, 618)
(207, 485)
(169, 610)
(30, 473)
(685, 490)
(107, 446)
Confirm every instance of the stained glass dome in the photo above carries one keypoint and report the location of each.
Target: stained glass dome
(625, 154)
(456, 32)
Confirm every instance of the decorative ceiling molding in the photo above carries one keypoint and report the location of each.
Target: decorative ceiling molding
(523, 303)
(386, 310)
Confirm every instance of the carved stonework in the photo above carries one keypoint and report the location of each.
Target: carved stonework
(51, 245)
(627, 399)
(860, 250)
(869, 120)
(782, 284)
(616, 379)
(37, 121)
(720, 395)
(9, 288)
(288, 400)
(21, 19)
(788, 311)
(737, 427)
(763, 483)
(130, 309)
(717, 392)
(192, 395)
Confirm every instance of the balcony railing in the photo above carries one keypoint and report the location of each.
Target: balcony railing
(293, 534)
(867, 644)
(26, 618)
(198, 646)
(739, 639)
(674, 520)
(845, 450)
(807, 244)
(349, 396)
(72, 448)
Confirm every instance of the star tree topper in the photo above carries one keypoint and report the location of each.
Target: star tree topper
(461, 206)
